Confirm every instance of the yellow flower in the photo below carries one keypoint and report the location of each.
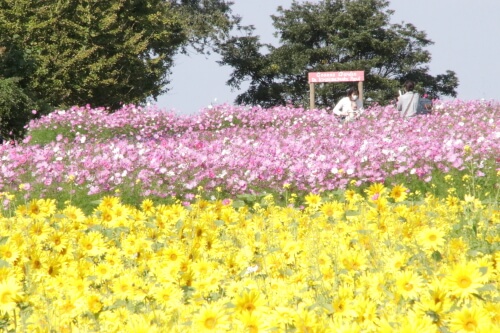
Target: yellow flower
(68, 307)
(249, 300)
(39, 231)
(464, 280)
(342, 307)
(147, 206)
(431, 239)
(212, 318)
(366, 311)
(313, 200)
(168, 295)
(122, 287)
(254, 322)
(92, 244)
(409, 284)
(332, 209)
(399, 193)
(41, 208)
(74, 213)
(94, 303)
(306, 321)
(10, 294)
(434, 304)
(103, 272)
(58, 241)
(453, 202)
(469, 198)
(375, 191)
(108, 202)
(349, 195)
(493, 310)
(353, 260)
(468, 320)
(173, 254)
(9, 252)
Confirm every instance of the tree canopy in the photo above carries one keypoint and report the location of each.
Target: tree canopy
(332, 35)
(61, 53)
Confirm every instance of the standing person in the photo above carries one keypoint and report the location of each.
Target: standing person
(349, 107)
(408, 103)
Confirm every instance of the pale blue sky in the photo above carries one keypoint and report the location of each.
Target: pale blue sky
(466, 36)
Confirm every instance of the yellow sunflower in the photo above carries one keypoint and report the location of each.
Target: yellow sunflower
(409, 284)
(332, 209)
(9, 252)
(249, 300)
(148, 207)
(399, 193)
(92, 244)
(10, 294)
(212, 318)
(431, 239)
(375, 191)
(74, 213)
(313, 200)
(468, 320)
(464, 280)
(168, 295)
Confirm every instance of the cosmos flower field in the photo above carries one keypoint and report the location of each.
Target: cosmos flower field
(243, 219)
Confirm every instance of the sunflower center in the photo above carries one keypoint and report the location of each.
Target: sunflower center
(432, 238)
(210, 323)
(408, 287)
(339, 307)
(464, 282)
(249, 307)
(470, 326)
(6, 297)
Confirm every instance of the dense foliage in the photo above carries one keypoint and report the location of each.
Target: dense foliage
(332, 35)
(15, 109)
(103, 53)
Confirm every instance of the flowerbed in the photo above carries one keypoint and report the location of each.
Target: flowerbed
(371, 263)
(152, 153)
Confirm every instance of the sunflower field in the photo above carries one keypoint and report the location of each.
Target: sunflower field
(245, 219)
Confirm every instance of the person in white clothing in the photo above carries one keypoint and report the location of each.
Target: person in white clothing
(349, 107)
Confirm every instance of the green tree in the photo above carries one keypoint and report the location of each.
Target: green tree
(15, 109)
(332, 35)
(103, 53)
